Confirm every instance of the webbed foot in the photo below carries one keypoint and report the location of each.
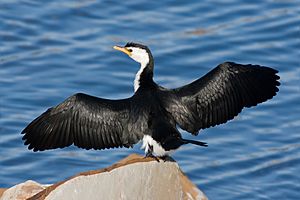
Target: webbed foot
(167, 158)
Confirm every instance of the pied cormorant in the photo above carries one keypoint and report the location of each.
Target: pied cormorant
(153, 113)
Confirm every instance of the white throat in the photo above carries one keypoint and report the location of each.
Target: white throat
(136, 83)
(141, 56)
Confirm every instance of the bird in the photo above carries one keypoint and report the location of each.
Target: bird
(153, 113)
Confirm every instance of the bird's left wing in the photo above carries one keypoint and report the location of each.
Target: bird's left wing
(220, 95)
(83, 120)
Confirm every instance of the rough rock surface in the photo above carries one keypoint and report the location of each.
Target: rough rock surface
(134, 177)
(1, 191)
(22, 191)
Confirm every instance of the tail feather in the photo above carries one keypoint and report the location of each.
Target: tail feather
(204, 144)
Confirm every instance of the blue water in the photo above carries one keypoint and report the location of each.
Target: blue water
(50, 50)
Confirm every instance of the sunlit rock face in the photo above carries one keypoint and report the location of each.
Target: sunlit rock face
(22, 191)
(134, 177)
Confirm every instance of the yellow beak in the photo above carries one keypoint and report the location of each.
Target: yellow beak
(123, 49)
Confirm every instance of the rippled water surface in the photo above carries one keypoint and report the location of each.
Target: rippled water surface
(52, 49)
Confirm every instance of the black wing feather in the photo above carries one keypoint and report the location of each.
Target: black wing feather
(220, 95)
(83, 120)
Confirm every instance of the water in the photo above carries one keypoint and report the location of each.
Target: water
(50, 50)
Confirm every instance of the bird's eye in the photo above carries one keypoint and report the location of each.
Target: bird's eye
(130, 50)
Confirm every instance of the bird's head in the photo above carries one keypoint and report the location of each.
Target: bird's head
(138, 52)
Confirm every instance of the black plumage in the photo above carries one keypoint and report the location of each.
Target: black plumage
(220, 95)
(87, 121)
(90, 122)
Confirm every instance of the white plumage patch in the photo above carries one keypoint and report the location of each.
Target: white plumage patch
(141, 56)
(136, 83)
(157, 148)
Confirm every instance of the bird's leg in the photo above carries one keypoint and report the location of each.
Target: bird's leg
(150, 153)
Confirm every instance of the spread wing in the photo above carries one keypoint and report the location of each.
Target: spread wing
(83, 120)
(220, 95)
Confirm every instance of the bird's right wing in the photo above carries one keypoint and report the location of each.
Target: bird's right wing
(220, 95)
(85, 121)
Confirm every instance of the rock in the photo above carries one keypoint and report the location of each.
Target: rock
(134, 177)
(22, 191)
(2, 190)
